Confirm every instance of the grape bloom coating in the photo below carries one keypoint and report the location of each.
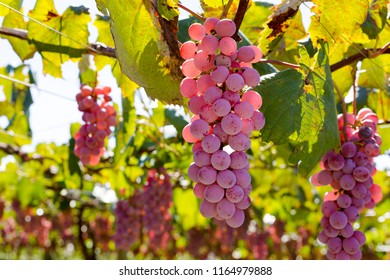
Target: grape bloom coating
(349, 172)
(218, 81)
(99, 115)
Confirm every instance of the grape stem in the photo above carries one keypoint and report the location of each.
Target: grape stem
(226, 9)
(239, 17)
(278, 62)
(354, 91)
(344, 109)
(191, 12)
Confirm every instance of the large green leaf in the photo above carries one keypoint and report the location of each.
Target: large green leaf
(299, 108)
(143, 56)
(55, 48)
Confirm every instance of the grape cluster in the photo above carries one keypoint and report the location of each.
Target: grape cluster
(157, 201)
(98, 116)
(218, 83)
(128, 221)
(349, 172)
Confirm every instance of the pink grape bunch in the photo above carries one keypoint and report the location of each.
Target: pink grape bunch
(157, 201)
(128, 225)
(218, 82)
(349, 171)
(99, 115)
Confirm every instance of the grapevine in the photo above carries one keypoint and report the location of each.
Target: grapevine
(218, 83)
(349, 171)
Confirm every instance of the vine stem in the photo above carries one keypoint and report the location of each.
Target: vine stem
(354, 92)
(226, 9)
(239, 17)
(344, 109)
(191, 12)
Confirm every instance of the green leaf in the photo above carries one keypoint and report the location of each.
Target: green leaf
(214, 8)
(254, 19)
(8, 137)
(16, 4)
(384, 132)
(142, 56)
(337, 20)
(168, 9)
(29, 191)
(22, 48)
(376, 19)
(177, 120)
(54, 48)
(299, 113)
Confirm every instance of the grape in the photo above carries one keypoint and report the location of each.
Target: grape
(217, 130)
(244, 203)
(187, 135)
(232, 97)
(372, 150)
(201, 158)
(360, 237)
(239, 142)
(214, 193)
(204, 82)
(208, 209)
(199, 190)
(211, 143)
(247, 127)
(228, 46)
(203, 62)
(360, 159)
(344, 201)
(244, 109)
(209, 44)
(246, 54)
(207, 114)
(220, 160)
(328, 208)
(335, 244)
(349, 166)
(321, 178)
(347, 231)
(219, 74)
(336, 162)
(376, 193)
(331, 232)
(365, 132)
(322, 237)
(207, 175)
(193, 170)
(242, 177)
(221, 107)
(348, 149)
(231, 124)
(225, 208)
(212, 94)
(347, 182)
(235, 194)
(188, 50)
(253, 98)
(239, 160)
(210, 25)
(357, 256)
(351, 245)
(352, 214)
(258, 120)
(199, 128)
(196, 31)
(235, 82)
(189, 69)
(237, 219)
(225, 28)
(226, 179)
(251, 77)
(223, 60)
(342, 255)
(361, 174)
(258, 54)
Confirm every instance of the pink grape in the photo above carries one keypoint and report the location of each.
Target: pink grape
(207, 175)
(359, 191)
(352, 214)
(258, 120)
(203, 62)
(258, 54)
(207, 114)
(349, 166)
(235, 194)
(331, 232)
(342, 255)
(347, 182)
(246, 54)
(247, 127)
(221, 107)
(212, 94)
(220, 160)
(214, 193)
(253, 98)
(328, 208)
(209, 44)
(196, 103)
(351, 245)
(201, 158)
(204, 82)
(322, 237)
(243, 177)
(338, 220)
(244, 109)
(226, 179)
(244, 203)
(188, 50)
(196, 31)
(208, 209)
(376, 193)
(189, 69)
(360, 237)
(211, 143)
(210, 24)
(231, 124)
(225, 28)
(193, 172)
(223, 60)
(237, 219)
(235, 82)
(239, 142)
(217, 130)
(335, 244)
(199, 128)
(238, 160)
(348, 149)
(251, 77)
(219, 74)
(347, 231)
(187, 135)
(372, 150)
(232, 97)
(225, 208)
(228, 46)
(344, 201)
(361, 159)
(336, 162)
(199, 190)
(361, 174)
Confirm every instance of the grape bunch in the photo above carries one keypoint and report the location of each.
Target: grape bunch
(98, 115)
(128, 221)
(157, 201)
(218, 81)
(349, 171)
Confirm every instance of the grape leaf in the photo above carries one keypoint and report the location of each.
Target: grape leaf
(299, 108)
(23, 49)
(335, 20)
(168, 9)
(214, 8)
(142, 56)
(73, 23)
(16, 4)
(384, 132)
